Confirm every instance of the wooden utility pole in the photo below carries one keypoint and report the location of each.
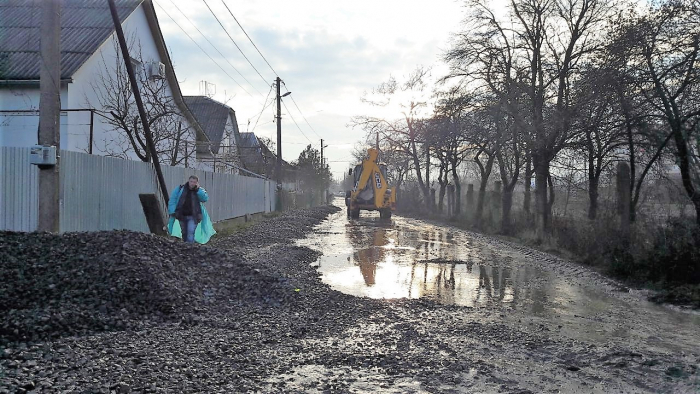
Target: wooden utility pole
(50, 114)
(278, 165)
(322, 153)
(139, 102)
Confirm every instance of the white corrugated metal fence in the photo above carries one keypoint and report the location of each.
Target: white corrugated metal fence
(101, 193)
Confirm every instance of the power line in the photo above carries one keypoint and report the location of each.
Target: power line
(214, 46)
(271, 68)
(295, 122)
(249, 39)
(234, 42)
(263, 109)
(301, 113)
(202, 49)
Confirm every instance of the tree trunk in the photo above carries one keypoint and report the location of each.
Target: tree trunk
(528, 187)
(442, 180)
(632, 161)
(593, 197)
(592, 179)
(509, 181)
(419, 175)
(485, 172)
(458, 191)
(430, 201)
(441, 198)
(458, 186)
(543, 213)
(684, 164)
(480, 202)
(507, 202)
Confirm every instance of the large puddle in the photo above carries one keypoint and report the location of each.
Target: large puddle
(408, 258)
(405, 258)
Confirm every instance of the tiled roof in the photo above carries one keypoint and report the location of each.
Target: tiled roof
(85, 25)
(211, 115)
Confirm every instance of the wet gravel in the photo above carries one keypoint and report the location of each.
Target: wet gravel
(121, 312)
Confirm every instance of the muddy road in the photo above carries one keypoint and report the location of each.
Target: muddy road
(517, 319)
(310, 301)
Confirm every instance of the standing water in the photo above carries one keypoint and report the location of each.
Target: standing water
(410, 258)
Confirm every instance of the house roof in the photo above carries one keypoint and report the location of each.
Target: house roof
(211, 115)
(249, 140)
(257, 157)
(85, 25)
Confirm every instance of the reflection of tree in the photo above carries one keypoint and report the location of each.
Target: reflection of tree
(496, 286)
(484, 284)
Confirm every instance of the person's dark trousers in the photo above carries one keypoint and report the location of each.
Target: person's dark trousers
(188, 226)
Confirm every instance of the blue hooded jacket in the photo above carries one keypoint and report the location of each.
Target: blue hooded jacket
(205, 229)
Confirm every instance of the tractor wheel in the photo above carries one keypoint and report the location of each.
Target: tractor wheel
(385, 213)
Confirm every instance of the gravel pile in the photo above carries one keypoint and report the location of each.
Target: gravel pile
(84, 282)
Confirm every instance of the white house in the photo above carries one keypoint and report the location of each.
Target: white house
(92, 76)
(219, 123)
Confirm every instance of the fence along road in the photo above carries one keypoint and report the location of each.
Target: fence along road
(101, 193)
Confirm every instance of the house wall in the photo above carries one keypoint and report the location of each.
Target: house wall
(20, 129)
(83, 91)
(228, 151)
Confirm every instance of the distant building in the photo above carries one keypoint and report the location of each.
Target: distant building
(219, 123)
(258, 158)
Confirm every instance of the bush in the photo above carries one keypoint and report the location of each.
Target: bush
(675, 256)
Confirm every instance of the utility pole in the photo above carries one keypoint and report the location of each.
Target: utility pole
(322, 153)
(377, 141)
(50, 114)
(139, 102)
(278, 166)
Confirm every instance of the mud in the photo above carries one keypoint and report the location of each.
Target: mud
(543, 323)
(517, 321)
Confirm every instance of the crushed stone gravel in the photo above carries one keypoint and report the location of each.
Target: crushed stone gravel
(122, 312)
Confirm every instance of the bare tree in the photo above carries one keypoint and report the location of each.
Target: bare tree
(453, 107)
(404, 134)
(171, 133)
(670, 46)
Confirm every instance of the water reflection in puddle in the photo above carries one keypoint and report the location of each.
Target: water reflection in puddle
(408, 259)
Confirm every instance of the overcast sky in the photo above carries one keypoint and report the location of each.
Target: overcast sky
(327, 52)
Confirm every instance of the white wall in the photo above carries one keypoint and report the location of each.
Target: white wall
(82, 94)
(21, 129)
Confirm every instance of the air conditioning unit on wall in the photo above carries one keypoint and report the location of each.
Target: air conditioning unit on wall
(157, 70)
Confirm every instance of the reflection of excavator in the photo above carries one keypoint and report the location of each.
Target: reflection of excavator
(369, 258)
(371, 191)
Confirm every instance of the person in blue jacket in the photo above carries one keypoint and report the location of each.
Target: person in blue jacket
(188, 217)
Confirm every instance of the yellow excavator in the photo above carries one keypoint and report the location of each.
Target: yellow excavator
(371, 191)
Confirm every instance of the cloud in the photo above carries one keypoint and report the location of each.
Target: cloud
(328, 53)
